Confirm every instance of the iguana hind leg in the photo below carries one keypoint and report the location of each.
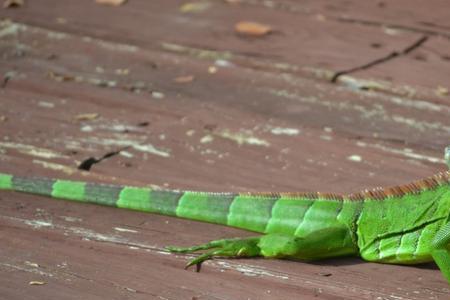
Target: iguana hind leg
(245, 247)
(330, 242)
(440, 251)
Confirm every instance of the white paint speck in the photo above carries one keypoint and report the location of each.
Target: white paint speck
(38, 223)
(285, 131)
(148, 148)
(126, 154)
(223, 63)
(157, 95)
(46, 104)
(355, 158)
(190, 132)
(243, 137)
(207, 139)
(87, 128)
(71, 219)
(125, 230)
(31, 264)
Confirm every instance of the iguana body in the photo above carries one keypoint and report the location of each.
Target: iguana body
(404, 225)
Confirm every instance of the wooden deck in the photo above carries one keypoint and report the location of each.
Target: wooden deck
(185, 102)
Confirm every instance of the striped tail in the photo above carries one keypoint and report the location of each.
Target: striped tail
(201, 206)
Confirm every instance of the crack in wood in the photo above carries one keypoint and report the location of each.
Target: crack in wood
(87, 164)
(393, 26)
(381, 60)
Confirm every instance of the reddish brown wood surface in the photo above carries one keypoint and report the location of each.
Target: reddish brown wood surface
(250, 114)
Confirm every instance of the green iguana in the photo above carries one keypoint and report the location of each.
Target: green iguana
(406, 224)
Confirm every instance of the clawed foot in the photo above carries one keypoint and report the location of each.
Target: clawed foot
(246, 247)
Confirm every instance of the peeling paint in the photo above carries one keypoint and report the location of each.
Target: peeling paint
(361, 84)
(120, 229)
(32, 150)
(110, 127)
(249, 270)
(82, 232)
(38, 223)
(31, 264)
(46, 104)
(405, 152)
(71, 219)
(418, 104)
(149, 148)
(420, 125)
(190, 132)
(242, 137)
(111, 46)
(9, 28)
(136, 145)
(55, 166)
(89, 234)
(197, 52)
(57, 35)
(284, 131)
(87, 128)
(339, 105)
(25, 269)
(207, 139)
(377, 111)
(126, 154)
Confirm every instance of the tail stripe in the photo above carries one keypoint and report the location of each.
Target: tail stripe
(71, 190)
(165, 202)
(212, 208)
(102, 194)
(6, 181)
(145, 199)
(42, 186)
(135, 198)
(320, 213)
(253, 215)
(287, 214)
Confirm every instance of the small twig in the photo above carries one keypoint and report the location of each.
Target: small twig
(390, 56)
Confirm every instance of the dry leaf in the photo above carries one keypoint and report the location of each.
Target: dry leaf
(32, 264)
(184, 79)
(212, 70)
(37, 282)
(111, 2)
(60, 77)
(13, 3)
(194, 7)
(87, 117)
(252, 28)
(3, 118)
(441, 91)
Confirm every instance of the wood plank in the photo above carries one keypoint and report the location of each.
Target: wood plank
(258, 115)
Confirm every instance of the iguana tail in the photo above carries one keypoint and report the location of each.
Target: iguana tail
(201, 206)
